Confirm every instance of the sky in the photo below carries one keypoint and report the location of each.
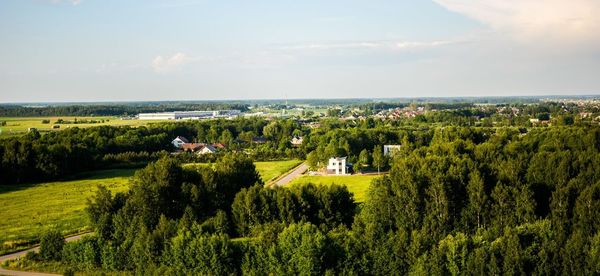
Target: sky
(146, 50)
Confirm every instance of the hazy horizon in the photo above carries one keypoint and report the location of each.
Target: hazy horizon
(196, 50)
(302, 100)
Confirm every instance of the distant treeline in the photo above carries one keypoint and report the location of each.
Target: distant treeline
(109, 110)
(428, 106)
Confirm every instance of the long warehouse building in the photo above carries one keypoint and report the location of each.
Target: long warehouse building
(190, 115)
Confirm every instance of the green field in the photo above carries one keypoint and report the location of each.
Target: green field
(268, 170)
(28, 210)
(357, 184)
(20, 125)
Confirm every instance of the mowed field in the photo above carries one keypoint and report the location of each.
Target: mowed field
(20, 125)
(357, 184)
(26, 211)
(268, 170)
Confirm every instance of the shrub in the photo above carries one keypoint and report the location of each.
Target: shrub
(32, 256)
(194, 253)
(83, 254)
(51, 245)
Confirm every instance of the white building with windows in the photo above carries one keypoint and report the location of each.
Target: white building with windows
(207, 149)
(338, 166)
(190, 115)
(297, 141)
(179, 141)
(389, 149)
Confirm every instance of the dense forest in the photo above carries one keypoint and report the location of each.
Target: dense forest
(457, 200)
(110, 110)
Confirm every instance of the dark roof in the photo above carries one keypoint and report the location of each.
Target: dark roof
(211, 148)
(259, 140)
(183, 139)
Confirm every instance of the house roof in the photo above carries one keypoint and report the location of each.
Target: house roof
(296, 140)
(182, 139)
(338, 158)
(259, 139)
(211, 148)
(218, 145)
(191, 146)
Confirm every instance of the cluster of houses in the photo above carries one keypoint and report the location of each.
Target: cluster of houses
(398, 113)
(183, 144)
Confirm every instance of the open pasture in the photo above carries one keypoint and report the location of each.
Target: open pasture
(357, 184)
(28, 210)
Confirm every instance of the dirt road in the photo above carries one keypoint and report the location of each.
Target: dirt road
(19, 254)
(290, 176)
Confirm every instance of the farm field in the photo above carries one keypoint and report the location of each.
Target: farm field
(357, 184)
(268, 170)
(20, 125)
(28, 210)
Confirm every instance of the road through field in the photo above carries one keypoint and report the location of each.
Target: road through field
(290, 176)
(19, 254)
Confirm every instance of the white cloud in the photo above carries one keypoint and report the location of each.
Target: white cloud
(366, 45)
(72, 2)
(162, 64)
(558, 21)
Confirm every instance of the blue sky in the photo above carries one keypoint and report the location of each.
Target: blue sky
(92, 50)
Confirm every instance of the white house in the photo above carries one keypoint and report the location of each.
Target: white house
(179, 141)
(207, 149)
(338, 165)
(297, 141)
(389, 149)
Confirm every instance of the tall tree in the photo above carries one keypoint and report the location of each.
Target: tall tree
(379, 160)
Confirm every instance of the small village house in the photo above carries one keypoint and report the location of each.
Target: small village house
(207, 149)
(297, 141)
(259, 140)
(179, 141)
(390, 149)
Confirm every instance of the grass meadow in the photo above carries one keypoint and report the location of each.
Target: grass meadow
(28, 210)
(357, 184)
(20, 125)
(268, 170)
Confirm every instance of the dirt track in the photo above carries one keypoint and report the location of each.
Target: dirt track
(290, 176)
(19, 254)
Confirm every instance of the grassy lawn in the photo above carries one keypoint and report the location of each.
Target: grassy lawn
(26, 211)
(357, 184)
(20, 125)
(270, 170)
